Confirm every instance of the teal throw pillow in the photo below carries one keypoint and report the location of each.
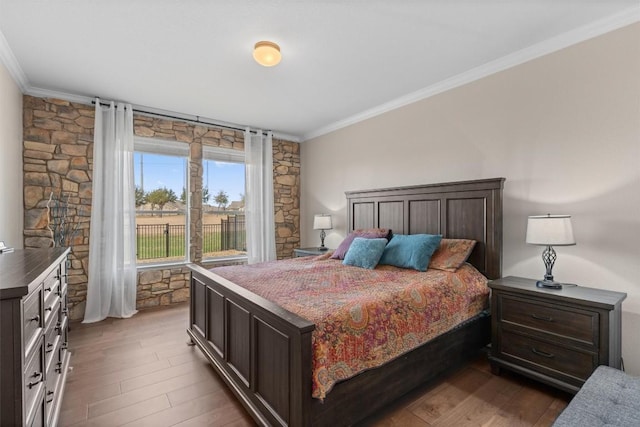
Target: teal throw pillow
(411, 251)
(365, 253)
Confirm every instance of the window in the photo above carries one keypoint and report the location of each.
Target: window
(162, 214)
(223, 189)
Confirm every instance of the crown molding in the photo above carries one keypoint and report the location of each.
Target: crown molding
(48, 93)
(150, 111)
(546, 47)
(595, 29)
(286, 137)
(8, 59)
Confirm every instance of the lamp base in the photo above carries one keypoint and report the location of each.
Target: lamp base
(549, 284)
(323, 248)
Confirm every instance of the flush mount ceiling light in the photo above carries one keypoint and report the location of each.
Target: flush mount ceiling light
(267, 53)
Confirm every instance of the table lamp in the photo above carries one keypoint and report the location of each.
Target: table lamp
(322, 222)
(550, 230)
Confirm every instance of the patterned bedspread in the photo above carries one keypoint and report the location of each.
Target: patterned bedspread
(363, 318)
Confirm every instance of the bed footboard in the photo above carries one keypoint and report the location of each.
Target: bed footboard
(262, 351)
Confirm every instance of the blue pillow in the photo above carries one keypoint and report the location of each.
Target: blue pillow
(365, 253)
(411, 251)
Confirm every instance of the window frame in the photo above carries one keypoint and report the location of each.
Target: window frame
(228, 155)
(176, 149)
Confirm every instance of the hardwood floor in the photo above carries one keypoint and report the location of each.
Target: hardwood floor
(473, 396)
(141, 372)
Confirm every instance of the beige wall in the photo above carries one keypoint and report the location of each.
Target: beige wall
(10, 160)
(563, 129)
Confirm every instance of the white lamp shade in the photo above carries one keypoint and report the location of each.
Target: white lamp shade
(550, 230)
(322, 222)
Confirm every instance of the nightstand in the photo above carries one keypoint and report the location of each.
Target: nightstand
(557, 336)
(308, 251)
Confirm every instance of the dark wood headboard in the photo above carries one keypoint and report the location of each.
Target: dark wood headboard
(457, 210)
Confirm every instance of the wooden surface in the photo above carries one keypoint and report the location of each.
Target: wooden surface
(26, 267)
(33, 335)
(456, 210)
(591, 297)
(140, 372)
(376, 388)
(470, 209)
(556, 336)
(472, 396)
(309, 251)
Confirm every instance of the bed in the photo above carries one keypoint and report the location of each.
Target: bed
(264, 352)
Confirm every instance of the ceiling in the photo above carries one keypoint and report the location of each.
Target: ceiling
(343, 61)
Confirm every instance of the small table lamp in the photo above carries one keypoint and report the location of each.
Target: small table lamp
(550, 230)
(322, 222)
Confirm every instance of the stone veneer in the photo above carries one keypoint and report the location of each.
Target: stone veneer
(58, 158)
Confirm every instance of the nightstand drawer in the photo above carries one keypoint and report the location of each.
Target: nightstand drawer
(547, 356)
(581, 325)
(557, 336)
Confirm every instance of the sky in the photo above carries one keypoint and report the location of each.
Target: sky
(169, 171)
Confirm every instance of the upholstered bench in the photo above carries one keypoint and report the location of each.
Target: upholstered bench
(608, 398)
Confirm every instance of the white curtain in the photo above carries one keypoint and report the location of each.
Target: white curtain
(261, 234)
(111, 289)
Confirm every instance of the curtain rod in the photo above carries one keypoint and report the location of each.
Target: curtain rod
(137, 109)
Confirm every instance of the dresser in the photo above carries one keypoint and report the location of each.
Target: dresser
(33, 336)
(557, 336)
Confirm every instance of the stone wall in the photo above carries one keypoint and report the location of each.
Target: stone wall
(58, 159)
(162, 287)
(58, 150)
(286, 196)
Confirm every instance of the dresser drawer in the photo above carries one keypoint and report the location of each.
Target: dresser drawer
(34, 379)
(51, 344)
(544, 356)
(52, 311)
(63, 331)
(38, 419)
(576, 324)
(32, 319)
(54, 374)
(51, 286)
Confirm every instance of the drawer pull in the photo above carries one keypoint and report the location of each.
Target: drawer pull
(542, 353)
(49, 393)
(49, 347)
(35, 318)
(49, 309)
(545, 318)
(38, 376)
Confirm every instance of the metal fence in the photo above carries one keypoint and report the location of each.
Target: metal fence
(155, 241)
(160, 241)
(230, 234)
